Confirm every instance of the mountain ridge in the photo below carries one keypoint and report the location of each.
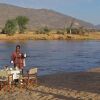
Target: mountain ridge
(39, 17)
(97, 26)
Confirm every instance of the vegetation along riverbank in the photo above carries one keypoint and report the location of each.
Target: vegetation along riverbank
(33, 36)
(16, 29)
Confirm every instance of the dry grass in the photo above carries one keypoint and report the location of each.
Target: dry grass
(31, 36)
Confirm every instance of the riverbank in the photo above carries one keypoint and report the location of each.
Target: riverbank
(61, 86)
(31, 36)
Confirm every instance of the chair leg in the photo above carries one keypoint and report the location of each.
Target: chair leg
(33, 82)
(5, 86)
(0, 85)
(10, 87)
(22, 84)
(36, 82)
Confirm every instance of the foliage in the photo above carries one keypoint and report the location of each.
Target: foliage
(10, 27)
(22, 21)
(13, 25)
(60, 32)
(46, 29)
(73, 31)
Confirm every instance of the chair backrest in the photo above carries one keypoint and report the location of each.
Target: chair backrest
(32, 71)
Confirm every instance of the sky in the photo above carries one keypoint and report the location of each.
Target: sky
(87, 10)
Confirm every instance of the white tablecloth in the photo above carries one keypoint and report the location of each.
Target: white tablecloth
(16, 73)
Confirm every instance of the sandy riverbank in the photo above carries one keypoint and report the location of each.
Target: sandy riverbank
(62, 86)
(31, 36)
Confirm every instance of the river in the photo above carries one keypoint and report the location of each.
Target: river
(53, 56)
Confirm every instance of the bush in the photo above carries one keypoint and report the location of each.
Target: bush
(60, 32)
(10, 27)
(43, 30)
(22, 21)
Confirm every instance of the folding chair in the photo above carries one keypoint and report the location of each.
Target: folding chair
(7, 83)
(30, 79)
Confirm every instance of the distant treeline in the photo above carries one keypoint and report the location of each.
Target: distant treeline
(18, 25)
(15, 25)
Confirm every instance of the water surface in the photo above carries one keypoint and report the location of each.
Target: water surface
(54, 56)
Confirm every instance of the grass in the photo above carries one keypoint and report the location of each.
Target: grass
(31, 36)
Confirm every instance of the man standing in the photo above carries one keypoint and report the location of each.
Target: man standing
(18, 58)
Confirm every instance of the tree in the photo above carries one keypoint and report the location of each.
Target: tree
(22, 21)
(10, 27)
(71, 25)
(81, 30)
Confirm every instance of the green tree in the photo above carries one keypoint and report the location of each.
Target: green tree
(22, 21)
(10, 27)
(46, 29)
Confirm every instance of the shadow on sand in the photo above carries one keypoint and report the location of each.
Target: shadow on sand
(80, 81)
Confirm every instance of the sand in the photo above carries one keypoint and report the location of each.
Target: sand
(60, 86)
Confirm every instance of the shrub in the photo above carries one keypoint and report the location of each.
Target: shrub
(22, 21)
(10, 27)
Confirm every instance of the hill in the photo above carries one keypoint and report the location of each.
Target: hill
(97, 27)
(39, 17)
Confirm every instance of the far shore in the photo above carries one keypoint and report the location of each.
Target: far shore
(31, 36)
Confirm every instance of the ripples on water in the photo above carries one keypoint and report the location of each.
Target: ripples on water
(55, 56)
